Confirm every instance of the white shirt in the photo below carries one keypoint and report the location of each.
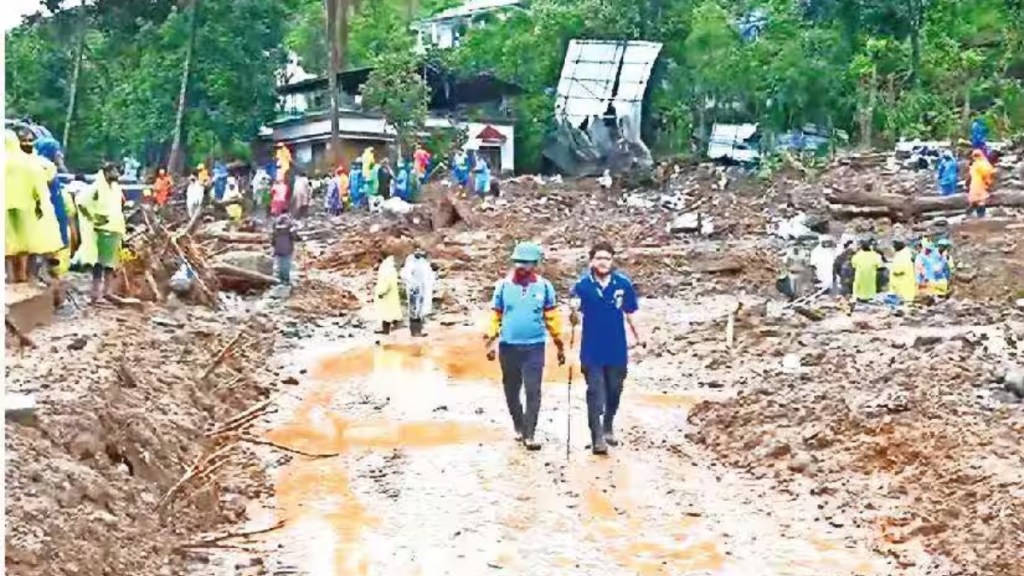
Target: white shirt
(822, 260)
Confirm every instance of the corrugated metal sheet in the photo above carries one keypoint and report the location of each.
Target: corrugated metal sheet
(587, 84)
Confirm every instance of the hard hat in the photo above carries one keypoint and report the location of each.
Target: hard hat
(527, 252)
(944, 242)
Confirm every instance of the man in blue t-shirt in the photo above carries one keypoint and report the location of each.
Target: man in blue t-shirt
(607, 300)
(523, 313)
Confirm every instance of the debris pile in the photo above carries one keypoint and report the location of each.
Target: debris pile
(920, 408)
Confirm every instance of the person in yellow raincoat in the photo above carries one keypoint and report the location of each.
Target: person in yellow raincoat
(388, 303)
(203, 175)
(982, 174)
(866, 263)
(32, 226)
(104, 210)
(902, 276)
(368, 165)
(284, 159)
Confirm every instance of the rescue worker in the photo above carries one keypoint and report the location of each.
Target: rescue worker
(460, 168)
(481, 177)
(948, 174)
(233, 199)
(194, 196)
(337, 193)
(388, 304)
(944, 278)
(220, 180)
(982, 174)
(302, 195)
(25, 194)
(979, 136)
(48, 151)
(419, 278)
(842, 269)
(421, 161)
(928, 267)
(355, 181)
(384, 179)
(203, 175)
(162, 187)
(104, 209)
(902, 281)
(823, 260)
(607, 299)
(866, 263)
(402, 182)
(523, 308)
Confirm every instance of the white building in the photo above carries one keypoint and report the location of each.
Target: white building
(477, 105)
(446, 28)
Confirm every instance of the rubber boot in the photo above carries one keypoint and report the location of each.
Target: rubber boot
(599, 446)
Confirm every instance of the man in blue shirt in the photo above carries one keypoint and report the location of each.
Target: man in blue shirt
(523, 314)
(607, 300)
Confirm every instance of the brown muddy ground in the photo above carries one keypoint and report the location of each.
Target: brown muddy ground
(427, 479)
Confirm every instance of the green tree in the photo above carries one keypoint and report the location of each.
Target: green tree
(396, 90)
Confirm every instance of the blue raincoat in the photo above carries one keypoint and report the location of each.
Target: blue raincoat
(49, 148)
(355, 184)
(481, 177)
(460, 169)
(930, 266)
(220, 180)
(948, 175)
(402, 182)
(979, 135)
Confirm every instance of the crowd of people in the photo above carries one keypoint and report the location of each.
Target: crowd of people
(980, 174)
(54, 225)
(863, 271)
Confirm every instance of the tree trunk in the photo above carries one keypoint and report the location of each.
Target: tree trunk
(346, 10)
(175, 163)
(332, 79)
(82, 21)
(904, 208)
(916, 23)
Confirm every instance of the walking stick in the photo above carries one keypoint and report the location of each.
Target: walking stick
(568, 396)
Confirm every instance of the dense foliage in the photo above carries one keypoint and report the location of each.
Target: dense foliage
(873, 69)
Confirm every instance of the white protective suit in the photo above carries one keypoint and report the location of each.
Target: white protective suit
(822, 260)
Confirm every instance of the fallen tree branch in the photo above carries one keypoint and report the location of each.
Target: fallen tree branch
(261, 442)
(230, 536)
(194, 471)
(220, 356)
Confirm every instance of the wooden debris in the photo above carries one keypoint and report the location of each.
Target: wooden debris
(210, 542)
(220, 356)
(261, 442)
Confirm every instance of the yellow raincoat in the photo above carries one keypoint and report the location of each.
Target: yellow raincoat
(25, 186)
(367, 160)
(865, 274)
(902, 276)
(388, 305)
(982, 174)
(284, 159)
(87, 253)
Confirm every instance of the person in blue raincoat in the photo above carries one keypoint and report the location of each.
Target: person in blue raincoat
(402, 181)
(50, 149)
(979, 135)
(948, 174)
(220, 180)
(481, 177)
(355, 182)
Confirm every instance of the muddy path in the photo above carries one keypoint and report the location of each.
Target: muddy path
(424, 477)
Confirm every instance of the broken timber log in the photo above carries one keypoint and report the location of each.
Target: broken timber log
(237, 237)
(227, 272)
(904, 208)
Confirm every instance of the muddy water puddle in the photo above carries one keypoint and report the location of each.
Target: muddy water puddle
(428, 480)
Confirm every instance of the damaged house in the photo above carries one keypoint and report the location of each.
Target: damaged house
(598, 107)
(477, 104)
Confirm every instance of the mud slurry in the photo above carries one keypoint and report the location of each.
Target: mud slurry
(428, 480)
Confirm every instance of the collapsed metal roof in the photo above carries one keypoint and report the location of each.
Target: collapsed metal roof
(599, 73)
